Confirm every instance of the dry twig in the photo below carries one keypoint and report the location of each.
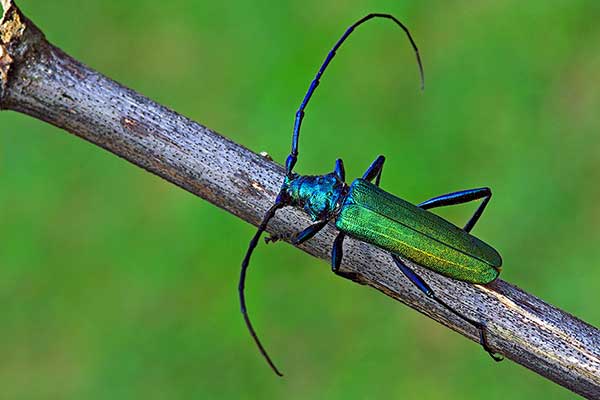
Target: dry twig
(39, 79)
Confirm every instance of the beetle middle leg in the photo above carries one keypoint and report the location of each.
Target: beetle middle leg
(337, 252)
(424, 287)
(374, 170)
(464, 196)
(339, 170)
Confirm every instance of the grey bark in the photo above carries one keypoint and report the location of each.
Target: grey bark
(40, 80)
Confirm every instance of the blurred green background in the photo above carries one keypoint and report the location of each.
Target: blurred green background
(115, 284)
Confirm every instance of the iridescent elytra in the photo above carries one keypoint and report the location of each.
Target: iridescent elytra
(364, 211)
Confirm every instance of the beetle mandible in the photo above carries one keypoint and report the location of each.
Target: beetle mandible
(365, 212)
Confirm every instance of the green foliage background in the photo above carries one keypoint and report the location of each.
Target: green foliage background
(116, 285)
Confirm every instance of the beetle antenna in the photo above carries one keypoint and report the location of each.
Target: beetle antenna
(293, 156)
(261, 228)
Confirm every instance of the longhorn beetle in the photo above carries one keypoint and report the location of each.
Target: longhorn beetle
(365, 212)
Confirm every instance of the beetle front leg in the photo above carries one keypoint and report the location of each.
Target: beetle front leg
(299, 237)
(464, 196)
(424, 287)
(309, 232)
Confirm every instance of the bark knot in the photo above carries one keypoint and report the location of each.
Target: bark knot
(5, 62)
(11, 25)
(11, 28)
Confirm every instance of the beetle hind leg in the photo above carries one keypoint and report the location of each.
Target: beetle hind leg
(424, 287)
(464, 196)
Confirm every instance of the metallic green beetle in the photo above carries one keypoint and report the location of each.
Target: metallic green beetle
(365, 212)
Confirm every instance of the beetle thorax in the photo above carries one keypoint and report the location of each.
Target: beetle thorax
(319, 196)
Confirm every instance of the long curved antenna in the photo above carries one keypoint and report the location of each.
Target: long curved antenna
(293, 157)
(261, 228)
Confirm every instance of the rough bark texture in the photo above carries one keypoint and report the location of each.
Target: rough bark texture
(39, 79)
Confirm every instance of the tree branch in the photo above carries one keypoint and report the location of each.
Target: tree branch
(39, 79)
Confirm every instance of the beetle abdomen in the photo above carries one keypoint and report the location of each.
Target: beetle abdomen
(377, 217)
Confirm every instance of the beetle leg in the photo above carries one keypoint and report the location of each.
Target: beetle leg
(374, 170)
(299, 237)
(339, 170)
(309, 232)
(463, 196)
(275, 238)
(424, 287)
(337, 252)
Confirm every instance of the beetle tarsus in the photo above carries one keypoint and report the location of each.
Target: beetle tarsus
(484, 343)
(275, 238)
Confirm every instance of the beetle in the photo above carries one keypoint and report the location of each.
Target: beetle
(364, 211)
